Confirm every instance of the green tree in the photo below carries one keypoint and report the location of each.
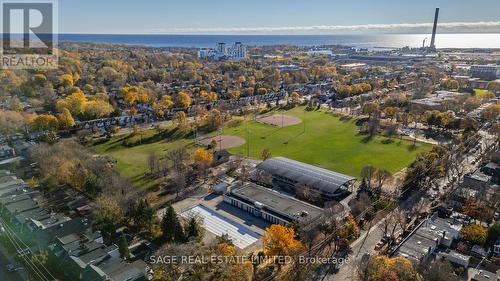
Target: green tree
(141, 215)
(172, 228)
(493, 234)
(193, 229)
(123, 247)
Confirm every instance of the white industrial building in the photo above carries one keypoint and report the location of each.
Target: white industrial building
(488, 72)
(237, 51)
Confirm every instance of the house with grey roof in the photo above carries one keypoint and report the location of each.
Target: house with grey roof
(431, 233)
(115, 269)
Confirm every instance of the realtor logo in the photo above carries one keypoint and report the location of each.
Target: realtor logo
(29, 34)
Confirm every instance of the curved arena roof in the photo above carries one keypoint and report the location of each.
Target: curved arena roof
(315, 177)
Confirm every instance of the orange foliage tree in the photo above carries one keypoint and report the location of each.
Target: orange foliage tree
(280, 240)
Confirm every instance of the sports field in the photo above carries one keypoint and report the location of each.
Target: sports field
(328, 141)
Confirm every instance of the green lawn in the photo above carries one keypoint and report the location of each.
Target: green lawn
(328, 142)
(133, 161)
(481, 92)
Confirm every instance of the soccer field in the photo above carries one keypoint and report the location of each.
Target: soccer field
(327, 141)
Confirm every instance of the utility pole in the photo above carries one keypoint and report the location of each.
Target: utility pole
(304, 121)
(248, 139)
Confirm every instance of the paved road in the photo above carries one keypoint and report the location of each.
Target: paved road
(360, 247)
(5, 259)
(347, 271)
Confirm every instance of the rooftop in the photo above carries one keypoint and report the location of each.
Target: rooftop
(318, 178)
(22, 206)
(117, 270)
(429, 234)
(479, 176)
(275, 201)
(438, 97)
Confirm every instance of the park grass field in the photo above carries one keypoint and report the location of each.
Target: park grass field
(132, 161)
(329, 141)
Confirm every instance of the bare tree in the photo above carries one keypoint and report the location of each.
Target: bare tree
(152, 162)
(308, 194)
(264, 177)
(367, 173)
(178, 157)
(381, 177)
(179, 183)
(361, 204)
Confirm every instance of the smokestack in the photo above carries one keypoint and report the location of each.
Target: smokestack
(434, 29)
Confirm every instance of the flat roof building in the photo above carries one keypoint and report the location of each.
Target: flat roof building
(291, 175)
(436, 101)
(271, 205)
(487, 72)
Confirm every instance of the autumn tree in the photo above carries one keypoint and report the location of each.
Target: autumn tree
(11, 121)
(265, 154)
(133, 94)
(183, 100)
(234, 94)
(370, 108)
(66, 80)
(75, 102)
(97, 109)
(180, 120)
(280, 240)
(474, 234)
(378, 268)
(162, 105)
(215, 119)
(45, 122)
(65, 118)
(295, 97)
(203, 156)
(491, 112)
(427, 167)
(203, 160)
(391, 112)
(212, 96)
(106, 214)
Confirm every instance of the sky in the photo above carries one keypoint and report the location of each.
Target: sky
(276, 16)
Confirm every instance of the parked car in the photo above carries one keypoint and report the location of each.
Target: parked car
(12, 267)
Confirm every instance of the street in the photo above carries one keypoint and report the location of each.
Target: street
(373, 236)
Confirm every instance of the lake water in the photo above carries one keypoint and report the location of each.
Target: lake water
(491, 40)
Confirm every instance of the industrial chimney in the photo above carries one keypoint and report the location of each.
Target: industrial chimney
(434, 29)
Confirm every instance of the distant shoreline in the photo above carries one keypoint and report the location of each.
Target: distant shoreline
(444, 41)
(369, 41)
